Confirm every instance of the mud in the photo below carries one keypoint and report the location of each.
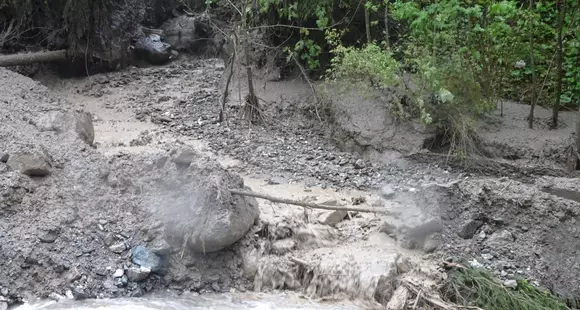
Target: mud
(142, 116)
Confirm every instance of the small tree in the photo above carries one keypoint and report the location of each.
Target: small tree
(559, 62)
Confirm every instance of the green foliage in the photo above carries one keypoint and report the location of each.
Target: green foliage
(477, 288)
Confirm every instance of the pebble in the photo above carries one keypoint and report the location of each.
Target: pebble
(137, 274)
(511, 284)
(145, 258)
(118, 247)
(118, 273)
(49, 237)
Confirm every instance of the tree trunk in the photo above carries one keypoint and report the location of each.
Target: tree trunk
(387, 34)
(533, 67)
(559, 70)
(368, 22)
(31, 58)
(578, 140)
(252, 109)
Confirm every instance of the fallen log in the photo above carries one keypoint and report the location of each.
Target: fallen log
(31, 58)
(310, 205)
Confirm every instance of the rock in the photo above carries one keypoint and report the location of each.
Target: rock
(332, 217)
(160, 247)
(359, 164)
(145, 258)
(430, 244)
(4, 158)
(118, 247)
(185, 158)
(3, 305)
(56, 297)
(469, 229)
(49, 237)
(84, 127)
(29, 163)
(73, 275)
(388, 229)
(511, 284)
(487, 256)
(137, 274)
(209, 216)
(281, 247)
(501, 237)
(250, 259)
(387, 192)
(118, 273)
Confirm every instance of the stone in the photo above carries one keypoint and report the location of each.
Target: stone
(399, 299)
(73, 275)
(208, 215)
(501, 237)
(388, 229)
(359, 164)
(118, 273)
(138, 274)
(118, 247)
(160, 247)
(56, 297)
(430, 244)
(250, 259)
(29, 163)
(513, 284)
(469, 229)
(4, 158)
(185, 158)
(487, 256)
(332, 218)
(49, 237)
(387, 192)
(3, 305)
(84, 127)
(281, 247)
(145, 258)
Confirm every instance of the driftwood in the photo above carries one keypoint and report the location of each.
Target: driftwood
(309, 205)
(31, 58)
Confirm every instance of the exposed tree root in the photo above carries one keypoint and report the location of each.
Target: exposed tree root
(31, 58)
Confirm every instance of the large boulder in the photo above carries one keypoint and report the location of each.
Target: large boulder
(199, 209)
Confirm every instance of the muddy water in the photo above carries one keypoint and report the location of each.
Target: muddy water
(282, 301)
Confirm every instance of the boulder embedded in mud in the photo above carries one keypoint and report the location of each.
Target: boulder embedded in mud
(145, 258)
(58, 121)
(202, 211)
(332, 217)
(137, 274)
(32, 164)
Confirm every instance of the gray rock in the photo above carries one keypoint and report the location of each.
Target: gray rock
(84, 127)
(359, 164)
(118, 273)
(387, 192)
(205, 212)
(185, 158)
(160, 247)
(118, 247)
(388, 229)
(430, 244)
(469, 229)
(487, 256)
(501, 237)
(137, 274)
(49, 237)
(32, 164)
(332, 217)
(4, 158)
(3, 305)
(511, 284)
(145, 258)
(250, 259)
(79, 123)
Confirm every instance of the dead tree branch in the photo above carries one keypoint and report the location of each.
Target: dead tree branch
(30, 58)
(307, 204)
